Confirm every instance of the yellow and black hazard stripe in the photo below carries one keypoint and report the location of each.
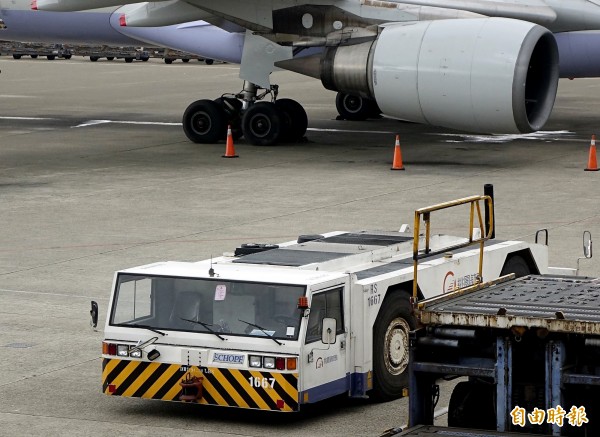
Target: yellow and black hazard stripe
(225, 387)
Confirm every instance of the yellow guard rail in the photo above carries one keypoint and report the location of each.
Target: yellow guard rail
(475, 202)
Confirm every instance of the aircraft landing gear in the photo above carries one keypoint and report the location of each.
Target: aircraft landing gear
(356, 108)
(262, 123)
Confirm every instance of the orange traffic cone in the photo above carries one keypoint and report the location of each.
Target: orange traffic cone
(397, 164)
(592, 163)
(229, 148)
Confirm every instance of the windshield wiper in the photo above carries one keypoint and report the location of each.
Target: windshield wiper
(263, 330)
(150, 328)
(206, 325)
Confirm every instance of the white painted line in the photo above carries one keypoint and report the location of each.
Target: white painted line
(93, 123)
(164, 123)
(50, 294)
(316, 129)
(14, 96)
(26, 118)
(540, 135)
(142, 123)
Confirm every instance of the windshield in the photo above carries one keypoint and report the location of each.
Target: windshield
(207, 305)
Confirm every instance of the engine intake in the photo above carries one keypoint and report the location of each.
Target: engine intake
(490, 75)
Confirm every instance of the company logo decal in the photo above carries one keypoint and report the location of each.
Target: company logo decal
(451, 283)
(228, 358)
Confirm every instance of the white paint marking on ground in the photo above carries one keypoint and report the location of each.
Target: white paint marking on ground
(48, 294)
(146, 123)
(540, 135)
(26, 118)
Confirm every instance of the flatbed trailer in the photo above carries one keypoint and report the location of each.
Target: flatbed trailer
(530, 348)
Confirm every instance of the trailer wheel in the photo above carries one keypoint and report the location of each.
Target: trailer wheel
(517, 265)
(390, 347)
(472, 406)
(51, 57)
(16, 56)
(94, 58)
(129, 60)
(110, 58)
(34, 56)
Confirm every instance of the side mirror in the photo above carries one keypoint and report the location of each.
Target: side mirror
(94, 314)
(329, 330)
(587, 244)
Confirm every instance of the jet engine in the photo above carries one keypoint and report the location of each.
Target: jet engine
(489, 75)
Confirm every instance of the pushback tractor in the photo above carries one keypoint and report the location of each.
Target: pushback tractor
(277, 326)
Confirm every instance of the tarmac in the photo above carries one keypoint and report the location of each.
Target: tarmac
(96, 175)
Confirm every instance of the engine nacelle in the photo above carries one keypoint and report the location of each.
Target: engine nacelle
(491, 75)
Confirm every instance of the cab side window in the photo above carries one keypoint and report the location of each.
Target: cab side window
(325, 304)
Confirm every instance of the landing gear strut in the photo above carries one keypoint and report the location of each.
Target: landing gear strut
(262, 123)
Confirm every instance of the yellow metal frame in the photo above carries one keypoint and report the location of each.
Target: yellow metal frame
(475, 202)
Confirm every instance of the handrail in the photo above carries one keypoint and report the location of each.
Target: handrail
(474, 201)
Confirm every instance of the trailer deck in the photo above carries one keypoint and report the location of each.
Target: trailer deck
(527, 346)
(559, 304)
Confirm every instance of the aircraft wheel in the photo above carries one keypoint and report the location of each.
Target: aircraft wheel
(390, 346)
(232, 108)
(355, 108)
(262, 124)
(295, 121)
(204, 121)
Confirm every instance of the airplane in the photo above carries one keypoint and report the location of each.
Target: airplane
(369, 55)
(101, 27)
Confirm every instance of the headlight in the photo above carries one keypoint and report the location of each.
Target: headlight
(269, 362)
(122, 350)
(136, 353)
(255, 361)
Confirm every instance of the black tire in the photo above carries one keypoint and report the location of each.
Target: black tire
(110, 58)
(168, 61)
(517, 265)
(390, 346)
(145, 58)
(51, 57)
(262, 124)
(67, 56)
(472, 406)
(94, 58)
(354, 108)
(233, 112)
(295, 121)
(129, 60)
(16, 56)
(204, 122)
(209, 61)
(34, 56)
(185, 60)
